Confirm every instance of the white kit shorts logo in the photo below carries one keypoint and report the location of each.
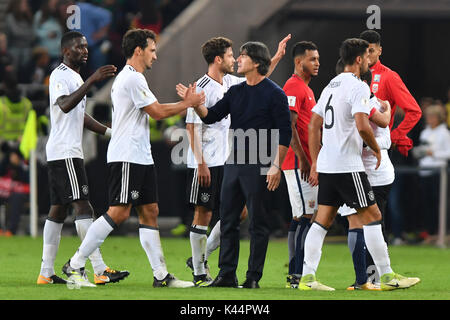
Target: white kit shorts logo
(371, 195)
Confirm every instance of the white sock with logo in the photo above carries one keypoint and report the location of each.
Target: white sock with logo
(51, 240)
(198, 240)
(373, 236)
(151, 242)
(313, 248)
(95, 236)
(82, 225)
(213, 241)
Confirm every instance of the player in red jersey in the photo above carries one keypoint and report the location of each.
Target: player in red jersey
(387, 85)
(297, 164)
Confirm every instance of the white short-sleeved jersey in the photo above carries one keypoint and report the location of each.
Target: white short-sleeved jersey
(215, 144)
(65, 139)
(344, 96)
(130, 128)
(385, 174)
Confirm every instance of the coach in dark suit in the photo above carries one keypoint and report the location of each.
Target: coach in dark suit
(258, 109)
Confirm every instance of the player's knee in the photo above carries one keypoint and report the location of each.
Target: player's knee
(57, 214)
(83, 208)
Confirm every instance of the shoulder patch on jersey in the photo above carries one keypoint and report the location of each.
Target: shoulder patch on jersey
(292, 100)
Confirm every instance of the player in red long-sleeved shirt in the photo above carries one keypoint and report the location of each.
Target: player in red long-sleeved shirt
(387, 85)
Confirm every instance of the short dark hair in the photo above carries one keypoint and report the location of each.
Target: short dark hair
(136, 38)
(371, 36)
(300, 48)
(259, 53)
(352, 48)
(215, 47)
(339, 66)
(367, 77)
(67, 38)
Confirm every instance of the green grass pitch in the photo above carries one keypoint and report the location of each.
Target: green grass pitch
(20, 259)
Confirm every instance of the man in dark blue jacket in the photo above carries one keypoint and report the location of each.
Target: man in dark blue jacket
(259, 109)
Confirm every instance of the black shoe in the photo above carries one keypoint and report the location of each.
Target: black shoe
(220, 281)
(110, 276)
(202, 280)
(250, 284)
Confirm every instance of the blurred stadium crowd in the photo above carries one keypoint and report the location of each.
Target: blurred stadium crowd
(30, 50)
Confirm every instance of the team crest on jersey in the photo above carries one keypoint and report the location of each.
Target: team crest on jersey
(371, 195)
(204, 197)
(85, 189)
(312, 203)
(376, 78)
(375, 87)
(134, 194)
(291, 101)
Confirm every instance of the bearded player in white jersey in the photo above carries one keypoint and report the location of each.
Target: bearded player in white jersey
(342, 113)
(132, 174)
(209, 151)
(67, 177)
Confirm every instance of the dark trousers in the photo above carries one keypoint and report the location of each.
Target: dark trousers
(243, 184)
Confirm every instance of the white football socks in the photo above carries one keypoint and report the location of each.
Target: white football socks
(95, 236)
(151, 243)
(373, 236)
(82, 226)
(51, 239)
(313, 248)
(213, 241)
(198, 240)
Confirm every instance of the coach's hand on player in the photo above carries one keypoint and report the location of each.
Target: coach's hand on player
(204, 175)
(313, 176)
(103, 73)
(273, 178)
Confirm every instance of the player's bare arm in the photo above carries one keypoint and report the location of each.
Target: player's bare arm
(366, 133)
(195, 142)
(296, 146)
(93, 125)
(68, 102)
(278, 55)
(383, 117)
(274, 174)
(160, 111)
(314, 137)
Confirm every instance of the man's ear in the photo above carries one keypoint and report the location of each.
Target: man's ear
(381, 50)
(218, 59)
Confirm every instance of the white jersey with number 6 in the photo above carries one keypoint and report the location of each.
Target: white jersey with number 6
(342, 145)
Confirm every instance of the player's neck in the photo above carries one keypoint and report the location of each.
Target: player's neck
(71, 65)
(354, 68)
(305, 77)
(215, 74)
(139, 67)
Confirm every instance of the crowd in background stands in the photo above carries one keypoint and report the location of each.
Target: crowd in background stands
(30, 50)
(30, 42)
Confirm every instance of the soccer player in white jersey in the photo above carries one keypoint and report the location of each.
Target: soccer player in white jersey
(67, 177)
(132, 176)
(380, 181)
(210, 149)
(342, 113)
